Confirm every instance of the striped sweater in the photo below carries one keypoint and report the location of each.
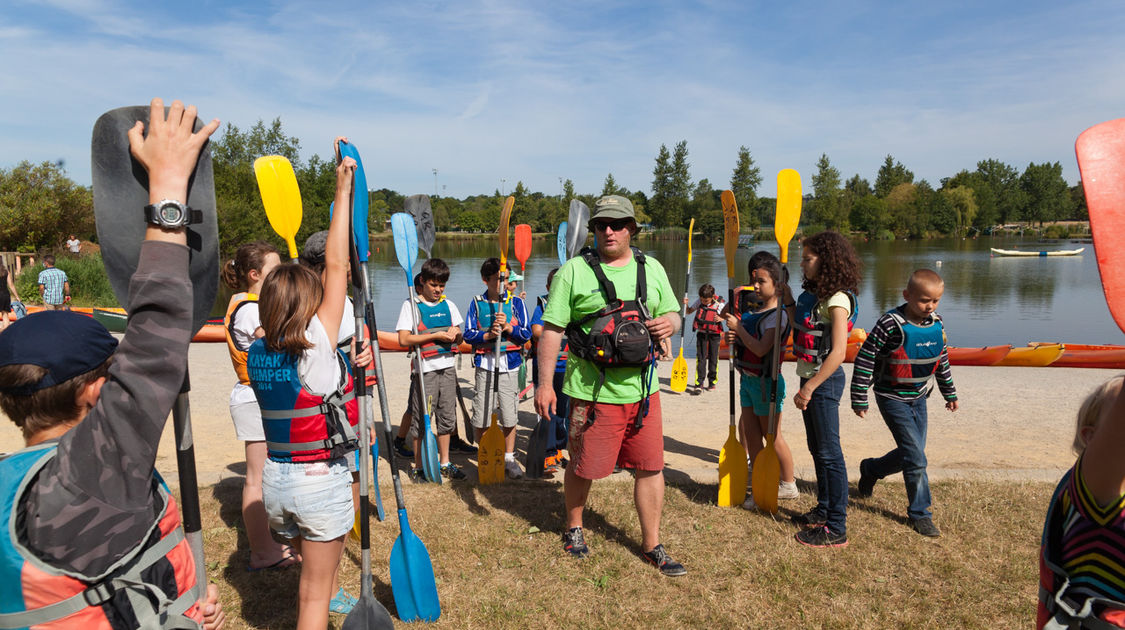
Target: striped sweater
(885, 338)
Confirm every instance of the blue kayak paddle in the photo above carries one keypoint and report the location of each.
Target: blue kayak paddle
(560, 243)
(406, 250)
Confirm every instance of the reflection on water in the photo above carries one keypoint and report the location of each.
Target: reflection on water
(987, 300)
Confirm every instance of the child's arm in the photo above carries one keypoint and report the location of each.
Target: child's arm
(519, 331)
(863, 371)
(944, 377)
(331, 308)
(835, 358)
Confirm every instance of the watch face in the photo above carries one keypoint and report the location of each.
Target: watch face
(170, 214)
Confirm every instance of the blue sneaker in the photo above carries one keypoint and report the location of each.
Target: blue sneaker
(342, 602)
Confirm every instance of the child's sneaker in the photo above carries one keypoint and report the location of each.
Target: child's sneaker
(660, 559)
(417, 476)
(821, 537)
(400, 448)
(749, 504)
(867, 481)
(926, 527)
(342, 602)
(812, 517)
(450, 470)
(512, 467)
(712, 387)
(461, 446)
(788, 490)
(574, 543)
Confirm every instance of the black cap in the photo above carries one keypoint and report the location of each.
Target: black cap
(65, 343)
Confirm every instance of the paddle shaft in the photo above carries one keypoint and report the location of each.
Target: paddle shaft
(687, 289)
(189, 485)
(731, 353)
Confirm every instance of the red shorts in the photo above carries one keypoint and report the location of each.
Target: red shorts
(613, 438)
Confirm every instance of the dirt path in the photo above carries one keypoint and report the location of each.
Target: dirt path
(1015, 423)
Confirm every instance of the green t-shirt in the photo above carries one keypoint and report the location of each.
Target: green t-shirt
(575, 294)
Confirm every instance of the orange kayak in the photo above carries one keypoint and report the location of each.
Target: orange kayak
(988, 355)
(1039, 356)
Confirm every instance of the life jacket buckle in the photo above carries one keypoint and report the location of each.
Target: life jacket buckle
(98, 594)
(1060, 600)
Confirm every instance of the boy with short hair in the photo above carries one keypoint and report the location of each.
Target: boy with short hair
(906, 347)
(708, 329)
(54, 286)
(496, 313)
(99, 534)
(439, 332)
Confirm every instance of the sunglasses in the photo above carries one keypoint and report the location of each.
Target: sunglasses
(616, 225)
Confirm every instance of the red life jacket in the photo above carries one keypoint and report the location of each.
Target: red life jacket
(153, 584)
(745, 361)
(812, 338)
(707, 319)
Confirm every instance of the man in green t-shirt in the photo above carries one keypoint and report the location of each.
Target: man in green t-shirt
(614, 411)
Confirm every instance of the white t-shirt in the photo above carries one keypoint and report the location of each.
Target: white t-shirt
(246, 321)
(74, 245)
(319, 367)
(406, 322)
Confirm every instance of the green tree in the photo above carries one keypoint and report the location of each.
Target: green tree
(827, 208)
(568, 191)
(890, 175)
(869, 214)
(744, 182)
(1078, 197)
(660, 203)
(610, 187)
(901, 210)
(40, 206)
(962, 202)
(1048, 195)
(706, 209)
(680, 184)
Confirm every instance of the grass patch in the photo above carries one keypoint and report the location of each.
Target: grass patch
(89, 284)
(499, 562)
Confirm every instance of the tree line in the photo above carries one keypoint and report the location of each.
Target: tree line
(40, 206)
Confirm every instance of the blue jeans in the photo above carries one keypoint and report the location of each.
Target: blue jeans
(907, 422)
(822, 431)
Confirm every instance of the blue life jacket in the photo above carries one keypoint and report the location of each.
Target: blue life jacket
(915, 361)
(485, 312)
(151, 585)
(301, 426)
(812, 338)
(745, 361)
(435, 318)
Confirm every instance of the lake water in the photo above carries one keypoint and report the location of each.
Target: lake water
(988, 300)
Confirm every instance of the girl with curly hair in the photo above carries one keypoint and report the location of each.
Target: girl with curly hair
(822, 317)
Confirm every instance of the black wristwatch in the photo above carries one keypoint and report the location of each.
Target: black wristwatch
(171, 214)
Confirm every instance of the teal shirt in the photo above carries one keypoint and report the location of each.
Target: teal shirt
(575, 294)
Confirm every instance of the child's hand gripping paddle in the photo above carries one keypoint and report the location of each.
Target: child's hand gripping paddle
(1101, 161)
(490, 454)
(368, 613)
(767, 469)
(281, 198)
(679, 366)
(120, 193)
(406, 249)
(732, 459)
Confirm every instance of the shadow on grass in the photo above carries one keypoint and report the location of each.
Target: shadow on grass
(702, 453)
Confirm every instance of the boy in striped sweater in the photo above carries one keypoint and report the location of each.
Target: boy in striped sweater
(904, 353)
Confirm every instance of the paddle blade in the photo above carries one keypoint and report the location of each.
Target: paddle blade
(418, 206)
(281, 197)
(523, 243)
(679, 373)
(379, 513)
(690, 232)
(537, 449)
(406, 243)
(430, 465)
(368, 614)
(577, 226)
(560, 243)
(490, 454)
(502, 232)
(1101, 161)
(788, 213)
(412, 576)
(764, 479)
(732, 472)
(730, 229)
(360, 202)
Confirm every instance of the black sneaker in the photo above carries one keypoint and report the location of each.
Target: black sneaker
(575, 543)
(867, 481)
(821, 537)
(457, 444)
(451, 471)
(812, 517)
(660, 559)
(400, 448)
(417, 476)
(925, 526)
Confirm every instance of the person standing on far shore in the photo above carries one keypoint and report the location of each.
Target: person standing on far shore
(54, 286)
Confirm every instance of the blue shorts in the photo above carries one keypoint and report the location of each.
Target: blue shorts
(312, 500)
(754, 392)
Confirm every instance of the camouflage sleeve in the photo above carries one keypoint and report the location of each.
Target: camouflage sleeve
(98, 491)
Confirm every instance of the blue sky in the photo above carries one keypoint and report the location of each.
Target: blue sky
(534, 91)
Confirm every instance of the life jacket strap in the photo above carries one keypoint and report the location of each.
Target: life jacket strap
(331, 403)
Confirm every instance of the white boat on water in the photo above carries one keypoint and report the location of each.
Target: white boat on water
(1016, 252)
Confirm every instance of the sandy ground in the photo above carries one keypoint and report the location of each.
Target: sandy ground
(1014, 423)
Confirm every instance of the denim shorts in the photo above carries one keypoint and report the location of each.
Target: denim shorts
(312, 500)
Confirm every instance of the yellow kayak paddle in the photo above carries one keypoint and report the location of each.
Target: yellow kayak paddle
(732, 459)
(680, 366)
(281, 197)
(490, 453)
